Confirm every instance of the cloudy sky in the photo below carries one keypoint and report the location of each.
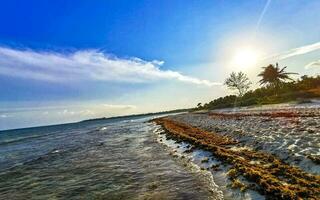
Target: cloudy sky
(64, 61)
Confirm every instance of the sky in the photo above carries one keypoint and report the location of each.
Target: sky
(65, 61)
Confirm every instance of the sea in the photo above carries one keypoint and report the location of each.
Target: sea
(97, 159)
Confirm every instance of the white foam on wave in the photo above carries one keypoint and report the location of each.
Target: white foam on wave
(103, 128)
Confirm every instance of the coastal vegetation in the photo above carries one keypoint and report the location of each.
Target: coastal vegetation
(238, 81)
(276, 86)
(139, 115)
(274, 76)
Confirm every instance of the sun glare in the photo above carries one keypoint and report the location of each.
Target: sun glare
(245, 58)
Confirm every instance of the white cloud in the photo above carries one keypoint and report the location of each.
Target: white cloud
(75, 108)
(119, 106)
(76, 112)
(67, 112)
(295, 52)
(313, 64)
(85, 65)
(265, 8)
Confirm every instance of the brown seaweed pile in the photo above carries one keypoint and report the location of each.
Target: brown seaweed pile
(274, 114)
(267, 174)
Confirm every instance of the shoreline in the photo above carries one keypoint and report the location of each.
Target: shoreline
(252, 166)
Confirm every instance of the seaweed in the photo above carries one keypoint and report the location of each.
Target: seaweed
(272, 177)
(274, 114)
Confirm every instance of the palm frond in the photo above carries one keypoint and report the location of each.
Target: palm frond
(282, 70)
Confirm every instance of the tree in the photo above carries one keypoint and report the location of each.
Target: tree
(274, 76)
(238, 81)
(308, 82)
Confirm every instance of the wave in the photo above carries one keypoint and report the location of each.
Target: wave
(39, 158)
(20, 139)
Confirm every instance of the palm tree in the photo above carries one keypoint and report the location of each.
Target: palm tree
(274, 76)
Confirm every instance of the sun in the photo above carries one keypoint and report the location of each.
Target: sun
(245, 58)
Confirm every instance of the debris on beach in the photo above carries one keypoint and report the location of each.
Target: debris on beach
(291, 134)
(263, 172)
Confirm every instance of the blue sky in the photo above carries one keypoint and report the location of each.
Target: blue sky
(63, 61)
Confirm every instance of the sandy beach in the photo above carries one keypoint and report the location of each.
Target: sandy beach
(271, 150)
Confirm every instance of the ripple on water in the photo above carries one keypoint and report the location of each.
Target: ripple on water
(125, 163)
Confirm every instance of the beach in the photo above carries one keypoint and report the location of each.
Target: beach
(241, 153)
(262, 152)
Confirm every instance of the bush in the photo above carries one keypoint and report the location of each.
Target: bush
(304, 88)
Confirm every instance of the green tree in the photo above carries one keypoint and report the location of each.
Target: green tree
(274, 76)
(238, 81)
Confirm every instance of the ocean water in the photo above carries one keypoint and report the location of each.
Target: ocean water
(105, 159)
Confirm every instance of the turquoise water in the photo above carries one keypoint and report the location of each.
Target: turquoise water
(106, 159)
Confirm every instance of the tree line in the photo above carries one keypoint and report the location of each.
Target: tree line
(276, 86)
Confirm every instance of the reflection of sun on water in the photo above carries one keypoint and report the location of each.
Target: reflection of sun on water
(245, 58)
